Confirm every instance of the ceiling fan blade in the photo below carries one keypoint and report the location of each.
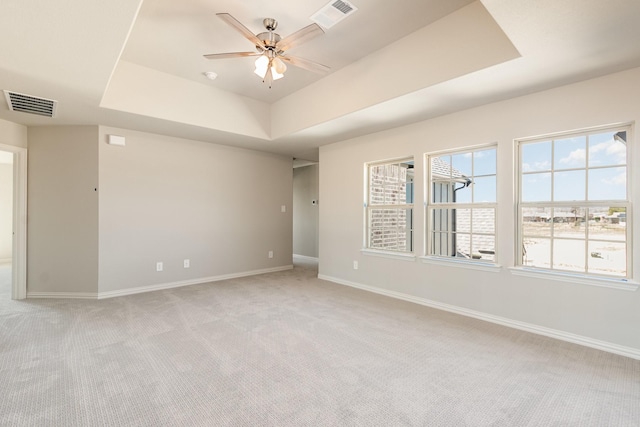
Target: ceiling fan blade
(300, 36)
(305, 63)
(241, 29)
(230, 55)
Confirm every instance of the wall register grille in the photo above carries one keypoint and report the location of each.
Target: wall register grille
(333, 13)
(30, 104)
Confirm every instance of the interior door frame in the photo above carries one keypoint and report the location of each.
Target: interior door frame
(19, 244)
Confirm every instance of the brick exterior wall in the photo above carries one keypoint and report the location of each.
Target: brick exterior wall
(388, 226)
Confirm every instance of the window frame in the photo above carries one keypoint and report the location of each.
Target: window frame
(607, 280)
(368, 207)
(430, 206)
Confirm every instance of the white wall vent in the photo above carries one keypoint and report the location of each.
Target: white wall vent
(333, 13)
(30, 104)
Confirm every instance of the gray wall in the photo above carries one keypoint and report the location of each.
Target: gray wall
(6, 211)
(62, 241)
(13, 134)
(165, 199)
(159, 199)
(597, 313)
(305, 214)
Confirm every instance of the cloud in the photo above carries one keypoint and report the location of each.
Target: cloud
(537, 166)
(575, 157)
(619, 180)
(613, 148)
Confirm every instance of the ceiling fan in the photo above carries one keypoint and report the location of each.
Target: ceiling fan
(271, 48)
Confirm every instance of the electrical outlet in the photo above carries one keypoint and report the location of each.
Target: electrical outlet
(355, 265)
(283, 208)
(270, 254)
(187, 263)
(159, 266)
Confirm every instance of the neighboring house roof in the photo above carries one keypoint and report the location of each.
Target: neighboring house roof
(441, 170)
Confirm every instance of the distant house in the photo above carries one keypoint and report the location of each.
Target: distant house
(558, 216)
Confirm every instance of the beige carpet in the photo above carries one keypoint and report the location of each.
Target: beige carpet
(287, 349)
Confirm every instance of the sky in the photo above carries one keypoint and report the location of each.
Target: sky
(561, 170)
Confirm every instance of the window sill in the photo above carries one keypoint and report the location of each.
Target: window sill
(623, 284)
(388, 254)
(472, 265)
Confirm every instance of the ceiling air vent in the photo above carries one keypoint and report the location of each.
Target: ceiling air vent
(333, 13)
(30, 104)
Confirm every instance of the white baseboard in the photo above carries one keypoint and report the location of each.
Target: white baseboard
(170, 285)
(631, 352)
(305, 258)
(66, 295)
(150, 288)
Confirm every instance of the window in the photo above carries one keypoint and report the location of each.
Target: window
(573, 203)
(389, 206)
(462, 205)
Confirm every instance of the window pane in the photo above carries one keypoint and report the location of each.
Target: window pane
(440, 167)
(560, 229)
(462, 220)
(608, 258)
(568, 255)
(395, 185)
(536, 253)
(462, 245)
(484, 162)
(484, 247)
(484, 189)
(391, 173)
(440, 220)
(409, 192)
(570, 153)
(462, 164)
(569, 222)
(608, 224)
(536, 222)
(608, 184)
(484, 221)
(536, 187)
(462, 193)
(536, 156)
(441, 244)
(470, 179)
(442, 192)
(376, 218)
(391, 229)
(569, 185)
(607, 149)
(384, 239)
(376, 185)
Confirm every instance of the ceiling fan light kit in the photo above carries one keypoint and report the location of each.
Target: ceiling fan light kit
(271, 48)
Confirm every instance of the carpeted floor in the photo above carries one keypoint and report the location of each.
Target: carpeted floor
(287, 349)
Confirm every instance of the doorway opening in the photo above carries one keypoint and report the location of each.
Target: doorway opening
(13, 214)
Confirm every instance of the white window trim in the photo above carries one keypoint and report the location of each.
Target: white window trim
(403, 256)
(623, 284)
(463, 263)
(429, 258)
(627, 282)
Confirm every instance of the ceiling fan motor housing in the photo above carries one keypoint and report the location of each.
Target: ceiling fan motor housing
(269, 38)
(270, 24)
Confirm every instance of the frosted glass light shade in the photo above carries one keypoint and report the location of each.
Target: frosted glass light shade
(262, 64)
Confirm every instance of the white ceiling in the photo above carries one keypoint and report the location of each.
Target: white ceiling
(172, 36)
(139, 65)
